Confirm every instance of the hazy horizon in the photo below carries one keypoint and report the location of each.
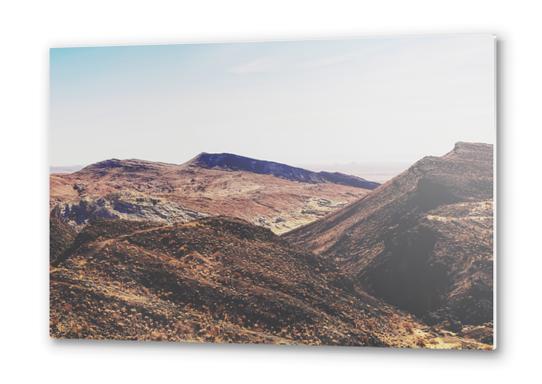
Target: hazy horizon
(327, 102)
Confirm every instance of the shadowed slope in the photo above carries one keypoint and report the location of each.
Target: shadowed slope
(422, 241)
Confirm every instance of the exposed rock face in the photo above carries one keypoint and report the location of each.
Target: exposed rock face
(144, 190)
(125, 206)
(217, 280)
(423, 241)
(233, 162)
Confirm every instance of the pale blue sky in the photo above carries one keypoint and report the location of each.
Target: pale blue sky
(307, 102)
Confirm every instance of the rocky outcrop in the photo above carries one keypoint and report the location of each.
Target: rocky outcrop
(124, 206)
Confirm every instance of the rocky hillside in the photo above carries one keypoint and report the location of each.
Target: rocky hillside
(217, 280)
(423, 241)
(168, 193)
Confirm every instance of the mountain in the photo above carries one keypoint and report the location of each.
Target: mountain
(228, 161)
(422, 241)
(279, 198)
(217, 279)
(154, 251)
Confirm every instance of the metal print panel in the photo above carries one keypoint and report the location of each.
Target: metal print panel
(332, 192)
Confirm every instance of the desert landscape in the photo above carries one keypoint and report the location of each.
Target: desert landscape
(230, 249)
(330, 192)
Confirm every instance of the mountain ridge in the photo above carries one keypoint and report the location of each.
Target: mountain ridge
(230, 161)
(423, 241)
(234, 162)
